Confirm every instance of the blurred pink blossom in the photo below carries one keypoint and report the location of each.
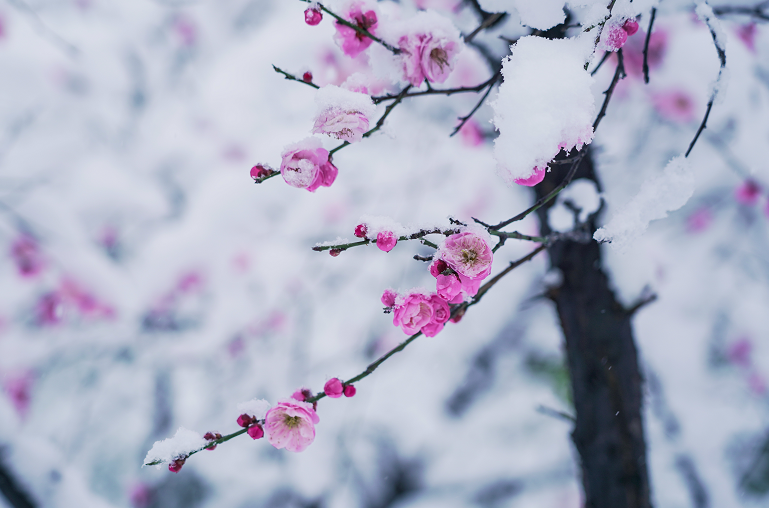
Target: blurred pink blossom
(306, 165)
(633, 52)
(290, 424)
(757, 383)
(347, 125)
(471, 133)
(427, 56)
(748, 192)
(700, 220)
(747, 34)
(140, 495)
(18, 387)
(350, 40)
(186, 30)
(25, 252)
(674, 105)
(739, 352)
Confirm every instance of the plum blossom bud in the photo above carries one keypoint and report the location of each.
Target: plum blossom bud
(349, 391)
(333, 388)
(301, 394)
(361, 230)
(312, 16)
(211, 436)
(388, 298)
(260, 171)
(437, 267)
(245, 420)
(255, 431)
(613, 37)
(306, 165)
(307, 77)
(630, 26)
(176, 465)
(386, 240)
(335, 252)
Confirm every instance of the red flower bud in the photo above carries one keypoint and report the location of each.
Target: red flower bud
(335, 252)
(307, 77)
(176, 465)
(245, 420)
(349, 391)
(361, 230)
(256, 432)
(312, 16)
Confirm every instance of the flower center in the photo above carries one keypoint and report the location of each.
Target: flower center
(440, 57)
(291, 421)
(469, 256)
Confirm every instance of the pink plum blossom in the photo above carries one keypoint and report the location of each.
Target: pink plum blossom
(633, 52)
(350, 40)
(347, 125)
(674, 105)
(18, 387)
(468, 254)
(361, 230)
(313, 16)
(386, 240)
(306, 165)
(140, 495)
(748, 192)
(740, 351)
(448, 287)
(25, 252)
(757, 383)
(747, 34)
(418, 311)
(291, 425)
(534, 179)
(699, 221)
(388, 298)
(613, 37)
(429, 48)
(333, 388)
(350, 391)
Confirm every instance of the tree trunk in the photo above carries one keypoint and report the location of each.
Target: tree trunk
(603, 365)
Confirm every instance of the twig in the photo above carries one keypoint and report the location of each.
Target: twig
(463, 120)
(722, 58)
(211, 443)
(291, 77)
(459, 309)
(414, 236)
(487, 22)
(619, 74)
(605, 57)
(755, 11)
(560, 415)
(263, 178)
(646, 45)
(422, 258)
(438, 91)
(355, 27)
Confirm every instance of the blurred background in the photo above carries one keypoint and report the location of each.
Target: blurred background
(147, 284)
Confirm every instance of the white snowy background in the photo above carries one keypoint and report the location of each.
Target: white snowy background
(172, 288)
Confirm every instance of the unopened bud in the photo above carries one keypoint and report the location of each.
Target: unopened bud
(630, 26)
(361, 230)
(312, 16)
(349, 391)
(256, 431)
(335, 252)
(333, 388)
(176, 465)
(307, 77)
(245, 420)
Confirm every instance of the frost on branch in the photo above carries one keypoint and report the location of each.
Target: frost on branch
(168, 450)
(544, 104)
(658, 196)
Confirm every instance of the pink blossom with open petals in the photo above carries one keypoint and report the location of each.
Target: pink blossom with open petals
(305, 165)
(290, 424)
(429, 47)
(386, 240)
(350, 40)
(448, 287)
(534, 179)
(438, 56)
(747, 34)
(441, 314)
(468, 254)
(415, 312)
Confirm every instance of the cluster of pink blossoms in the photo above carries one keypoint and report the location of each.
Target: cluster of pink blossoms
(459, 266)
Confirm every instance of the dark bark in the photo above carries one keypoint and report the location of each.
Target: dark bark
(603, 365)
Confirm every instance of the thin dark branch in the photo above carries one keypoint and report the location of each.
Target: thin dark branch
(263, 178)
(754, 11)
(559, 415)
(422, 258)
(414, 236)
(438, 91)
(619, 74)
(464, 119)
(291, 77)
(605, 57)
(722, 58)
(646, 45)
(643, 301)
(487, 22)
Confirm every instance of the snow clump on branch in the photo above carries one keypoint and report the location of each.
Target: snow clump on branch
(343, 114)
(544, 105)
(177, 447)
